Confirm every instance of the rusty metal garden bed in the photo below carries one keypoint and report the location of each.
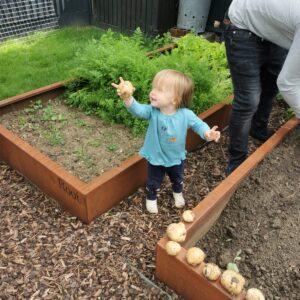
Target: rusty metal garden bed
(189, 281)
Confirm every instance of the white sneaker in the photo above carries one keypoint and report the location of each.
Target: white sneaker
(179, 200)
(151, 206)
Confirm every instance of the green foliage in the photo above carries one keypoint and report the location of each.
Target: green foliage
(94, 143)
(41, 58)
(215, 56)
(112, 147)
(103, 61)
(54, 136)
(232, 265)
(81, 123)
(50, 115)
(83, 156)
(34, 107)
(149, 42)
(22, 122)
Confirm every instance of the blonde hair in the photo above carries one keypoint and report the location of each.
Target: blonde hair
(181, 84)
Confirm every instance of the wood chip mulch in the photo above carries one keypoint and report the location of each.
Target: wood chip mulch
(45, 253)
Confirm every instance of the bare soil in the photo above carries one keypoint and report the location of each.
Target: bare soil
(82, 144)
(47, 254)
(262, 220)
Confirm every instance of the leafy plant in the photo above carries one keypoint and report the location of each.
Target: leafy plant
(94, 143)
(34, 107)
(50, 115)
(232, 265)
(84, 157)
(54, 137)
(22, 122)
(104, 61)
(112, 147)
(81, 123)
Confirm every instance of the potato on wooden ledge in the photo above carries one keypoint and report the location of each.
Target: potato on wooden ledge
(176, 232)
(173, 248)
(188, 216)
(254, 294)
(233, 282)
(211, 271)
(195, 256)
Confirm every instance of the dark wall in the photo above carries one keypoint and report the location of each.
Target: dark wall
(152, 16)
(73, 12)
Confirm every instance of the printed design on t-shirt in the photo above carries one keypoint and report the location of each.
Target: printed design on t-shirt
(171, 139)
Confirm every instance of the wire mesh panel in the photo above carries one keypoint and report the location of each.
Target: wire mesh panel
(18, 18)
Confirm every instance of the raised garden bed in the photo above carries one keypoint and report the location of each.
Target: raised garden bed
(108, 257)
(82, 144)
(89, 199)
(84, 200)
(188, 281)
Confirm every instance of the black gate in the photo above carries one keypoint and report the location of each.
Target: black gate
(152, 16)
(73, 12)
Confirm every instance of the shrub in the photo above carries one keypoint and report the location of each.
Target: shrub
(104, 61)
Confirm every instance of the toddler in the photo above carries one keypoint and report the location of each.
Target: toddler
(169, 118)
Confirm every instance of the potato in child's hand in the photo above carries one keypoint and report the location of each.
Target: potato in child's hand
(125, 89)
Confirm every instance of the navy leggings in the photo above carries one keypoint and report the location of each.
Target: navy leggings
(156, 175)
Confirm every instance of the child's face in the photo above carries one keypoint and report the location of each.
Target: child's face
(162, 97)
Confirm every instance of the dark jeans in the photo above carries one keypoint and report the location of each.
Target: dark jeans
(254, 66)
(156, 175)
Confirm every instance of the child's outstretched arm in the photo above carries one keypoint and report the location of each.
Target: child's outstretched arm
(125, 90)
(202, 128)
(212, 134)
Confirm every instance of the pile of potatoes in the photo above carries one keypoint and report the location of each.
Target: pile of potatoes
(232, 281)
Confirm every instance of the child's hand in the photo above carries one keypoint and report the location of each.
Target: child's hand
(125, 89)
(212, 134)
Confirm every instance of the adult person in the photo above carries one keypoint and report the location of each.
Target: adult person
(256, 40)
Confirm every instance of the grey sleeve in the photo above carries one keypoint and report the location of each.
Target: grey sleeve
(289, 77)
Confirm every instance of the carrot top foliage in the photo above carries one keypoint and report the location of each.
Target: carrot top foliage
(112, 56)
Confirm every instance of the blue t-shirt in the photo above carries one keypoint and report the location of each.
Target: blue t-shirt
(165, 139)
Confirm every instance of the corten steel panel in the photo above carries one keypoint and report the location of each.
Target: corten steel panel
(188, 281)
(84, 200)
(43, 172)
(116, 183)
(47, 92)
(173, 270)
